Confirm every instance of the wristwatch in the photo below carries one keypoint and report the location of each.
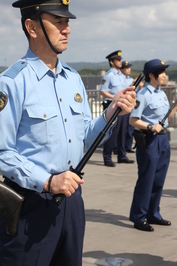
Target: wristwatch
(149, 127)
(104, 115)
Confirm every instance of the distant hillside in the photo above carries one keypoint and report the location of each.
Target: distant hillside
(136, 65)
(85, 68)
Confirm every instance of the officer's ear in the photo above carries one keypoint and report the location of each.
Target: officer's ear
(111, 62)
(151, 76)
(31, 27)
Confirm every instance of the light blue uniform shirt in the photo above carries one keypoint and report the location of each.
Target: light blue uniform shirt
(128, 80)
(113, 81)
(44, 127)
(153, 105)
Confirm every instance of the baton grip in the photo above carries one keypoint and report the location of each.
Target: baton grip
(59, 197)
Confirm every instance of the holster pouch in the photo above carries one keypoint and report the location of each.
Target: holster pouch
(10, 207)
(140, 139)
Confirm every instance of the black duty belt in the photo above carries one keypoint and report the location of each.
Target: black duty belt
(162, 132)
(15, 186)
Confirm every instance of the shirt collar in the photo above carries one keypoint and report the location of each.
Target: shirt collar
(40, 68)
(151, 88)
(115, 71)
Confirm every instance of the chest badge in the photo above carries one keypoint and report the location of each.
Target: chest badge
(3, 101)
(78, 97)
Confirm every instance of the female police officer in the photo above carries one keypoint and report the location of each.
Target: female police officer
(152, 105)
(45, 125)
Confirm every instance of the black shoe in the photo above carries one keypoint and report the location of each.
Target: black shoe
(160, 222)
(126, 161)
(115, 152)
(110, 164)
(130, 151)
(143, 226)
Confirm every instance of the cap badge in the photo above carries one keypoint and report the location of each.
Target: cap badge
(3, 101)
(162, 63)
(119, 53)
(65, 2)
(126, 63)
(78, 97)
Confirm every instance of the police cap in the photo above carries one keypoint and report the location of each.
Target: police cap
(125, 64)
(54, 7)
(154, 65)
(114, 55)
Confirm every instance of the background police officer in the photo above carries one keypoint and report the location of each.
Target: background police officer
(112, 82)
(45, 126)
(154, 161)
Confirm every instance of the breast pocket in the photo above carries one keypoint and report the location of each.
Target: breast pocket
(78, 118)
(42, 122)
(158, 108)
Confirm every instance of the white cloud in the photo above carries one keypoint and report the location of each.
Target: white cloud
(141, 29)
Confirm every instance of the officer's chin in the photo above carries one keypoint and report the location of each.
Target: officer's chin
(61, 50)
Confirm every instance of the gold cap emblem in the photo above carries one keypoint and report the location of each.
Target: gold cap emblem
(65, 2)
(78, 98)
(162, 63)
(126, 63)
(119, 53)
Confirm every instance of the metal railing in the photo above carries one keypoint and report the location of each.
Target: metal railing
(95, 102)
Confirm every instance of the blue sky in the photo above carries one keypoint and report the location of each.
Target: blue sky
(142, 29)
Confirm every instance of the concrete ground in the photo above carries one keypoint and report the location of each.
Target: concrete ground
(107, 194)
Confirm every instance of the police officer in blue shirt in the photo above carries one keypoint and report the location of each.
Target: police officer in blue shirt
(45, 126)
(112, 82)
(153, 153)
(126, 70)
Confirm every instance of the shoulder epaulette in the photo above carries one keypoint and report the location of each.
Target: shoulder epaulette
(13, 71)
(68, 67)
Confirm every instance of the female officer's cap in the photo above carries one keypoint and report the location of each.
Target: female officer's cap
(54, 7)
(154, 65)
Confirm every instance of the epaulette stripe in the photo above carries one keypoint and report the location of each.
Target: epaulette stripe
(13, 71)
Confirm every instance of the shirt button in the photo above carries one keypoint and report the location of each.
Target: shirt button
(60, 99)
(35, 187)
(45, 115)
(12, 178)
(69, 140)
(65, 120)
(69, 162)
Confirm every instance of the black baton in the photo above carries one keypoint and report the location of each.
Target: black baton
(88, 154)
(166, 116)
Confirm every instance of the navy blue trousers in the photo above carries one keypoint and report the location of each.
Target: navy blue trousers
(152, 170)
(48, 234)
(118, 136)
(129, 137)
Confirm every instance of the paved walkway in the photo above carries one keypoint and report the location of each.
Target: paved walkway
(107, 194)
